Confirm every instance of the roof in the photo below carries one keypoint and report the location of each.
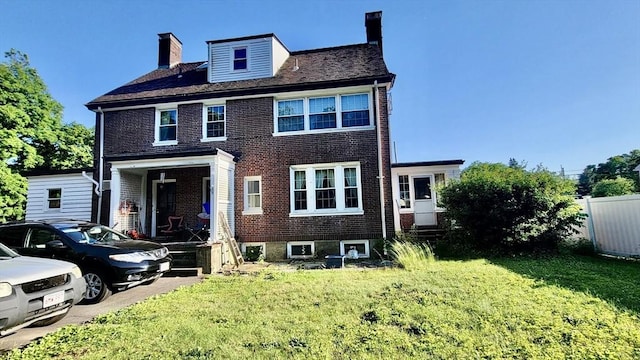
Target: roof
(349, 65)
(429, 163)
(39, 172)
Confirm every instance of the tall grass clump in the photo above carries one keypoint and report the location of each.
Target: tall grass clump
(412, 256)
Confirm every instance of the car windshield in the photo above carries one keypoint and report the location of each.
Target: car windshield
(6, 253)
(94, 234)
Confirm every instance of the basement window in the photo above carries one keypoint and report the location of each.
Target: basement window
(300, 249)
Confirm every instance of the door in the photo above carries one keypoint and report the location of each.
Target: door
(164, 203)
(424, 213)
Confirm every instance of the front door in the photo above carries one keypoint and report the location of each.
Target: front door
(164, 203)
(424, 212)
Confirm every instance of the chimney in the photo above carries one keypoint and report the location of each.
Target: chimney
(373, 23)
(169, 51)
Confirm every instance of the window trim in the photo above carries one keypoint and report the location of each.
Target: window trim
(47, 203)
(205, 122)
(157, 141)
(249, 210)
(367, 250)
(410, 205)
(310, 189)
(301, 243)
(338, 112)
(233, 58)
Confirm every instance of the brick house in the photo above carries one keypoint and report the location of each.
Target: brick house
(291, 146)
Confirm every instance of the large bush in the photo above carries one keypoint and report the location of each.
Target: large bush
(507, 208)
(613, 187)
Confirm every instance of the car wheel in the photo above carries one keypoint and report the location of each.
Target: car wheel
(97, 287)
(49, 321)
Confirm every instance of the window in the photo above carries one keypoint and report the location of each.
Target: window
(326, 189)
(214, 127)
(39, 238)
(422, 187)
(361, 246)
(166, 127)
(355, 110)
(405, 198)
(439, 179)
(54, 199)
(300, 249)
(252, 195)
(290, 115)
(322, 113)
(318, 114)
(240, 58)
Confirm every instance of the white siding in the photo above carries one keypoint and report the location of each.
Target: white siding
(75, 202)
(613, 224)
(259, 56)
(280, 55)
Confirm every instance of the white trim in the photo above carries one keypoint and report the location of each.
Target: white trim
(247, 210)
(156, 139)
(48, 199)
(306, 97)
(225, 99)
(367, 251)
(310, 188)
(232, 57)
(300, 243)
(205, 122)
(244, 245)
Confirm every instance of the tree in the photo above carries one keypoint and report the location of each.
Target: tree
(612, 187)
(496, 206)
(32, 135)
(614, 167)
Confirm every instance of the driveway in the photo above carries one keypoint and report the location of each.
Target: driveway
(82, 313)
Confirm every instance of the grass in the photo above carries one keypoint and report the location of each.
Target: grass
(449, 309)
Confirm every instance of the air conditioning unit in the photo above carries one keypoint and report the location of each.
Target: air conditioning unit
(106, 185)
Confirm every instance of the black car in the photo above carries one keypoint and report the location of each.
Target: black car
(108, 259)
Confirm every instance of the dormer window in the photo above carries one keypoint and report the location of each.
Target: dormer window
(240, 58)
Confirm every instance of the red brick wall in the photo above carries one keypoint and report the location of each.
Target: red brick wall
(258, 152)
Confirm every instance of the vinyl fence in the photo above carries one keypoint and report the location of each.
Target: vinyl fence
(613, 224)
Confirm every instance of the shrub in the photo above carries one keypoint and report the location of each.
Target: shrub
(507, 208)
(613, 187)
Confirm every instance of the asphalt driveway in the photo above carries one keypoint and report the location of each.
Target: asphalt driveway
(82, 313)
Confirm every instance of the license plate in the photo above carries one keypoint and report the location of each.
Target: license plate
(53, 299)
(164, 266)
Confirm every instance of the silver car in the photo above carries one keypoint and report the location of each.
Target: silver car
(35, 291)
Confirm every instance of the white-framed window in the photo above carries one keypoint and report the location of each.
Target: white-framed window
(361, 246)
(405, 192)
(240, 58)
(166, 132)
(54, 199)
(326, 189)
(214, 123)
(252, 195)
(311, 114)
(253, 251)
(300, 249)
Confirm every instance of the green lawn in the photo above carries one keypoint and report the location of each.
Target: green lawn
(568, 307)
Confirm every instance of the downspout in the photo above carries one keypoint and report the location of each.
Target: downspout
(383, 215)
(100, 166)
(96, 189)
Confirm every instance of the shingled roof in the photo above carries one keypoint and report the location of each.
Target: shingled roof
(317, 69)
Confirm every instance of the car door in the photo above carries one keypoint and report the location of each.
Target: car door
(44, 242)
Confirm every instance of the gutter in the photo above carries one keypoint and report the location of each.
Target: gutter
(383, 215)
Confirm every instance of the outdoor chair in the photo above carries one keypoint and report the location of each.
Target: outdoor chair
(174, 228)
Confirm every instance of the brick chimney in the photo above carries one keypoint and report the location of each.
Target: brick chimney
(373, 24)
(169, 51)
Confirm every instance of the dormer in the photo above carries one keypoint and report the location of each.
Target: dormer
(251, 57)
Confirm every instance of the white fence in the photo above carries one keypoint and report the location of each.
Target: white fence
(613, 224)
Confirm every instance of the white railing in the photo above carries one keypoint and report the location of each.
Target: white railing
(613, 224)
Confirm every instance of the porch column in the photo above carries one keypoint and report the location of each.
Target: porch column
(213, 204)
(115, 195)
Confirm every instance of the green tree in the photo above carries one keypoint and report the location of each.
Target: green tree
(614, 167)
(612, 187)
(32, 135)
(507, 208)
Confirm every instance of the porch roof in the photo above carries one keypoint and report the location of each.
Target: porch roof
(164, 155)
(428, 163)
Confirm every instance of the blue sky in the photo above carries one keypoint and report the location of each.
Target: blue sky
(555, 83)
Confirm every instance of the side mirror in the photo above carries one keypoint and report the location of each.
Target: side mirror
(55, 244)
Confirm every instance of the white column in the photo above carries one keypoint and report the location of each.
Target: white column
(213, 186)
(115, 196)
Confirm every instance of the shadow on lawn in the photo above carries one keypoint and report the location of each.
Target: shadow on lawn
(612, 280)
